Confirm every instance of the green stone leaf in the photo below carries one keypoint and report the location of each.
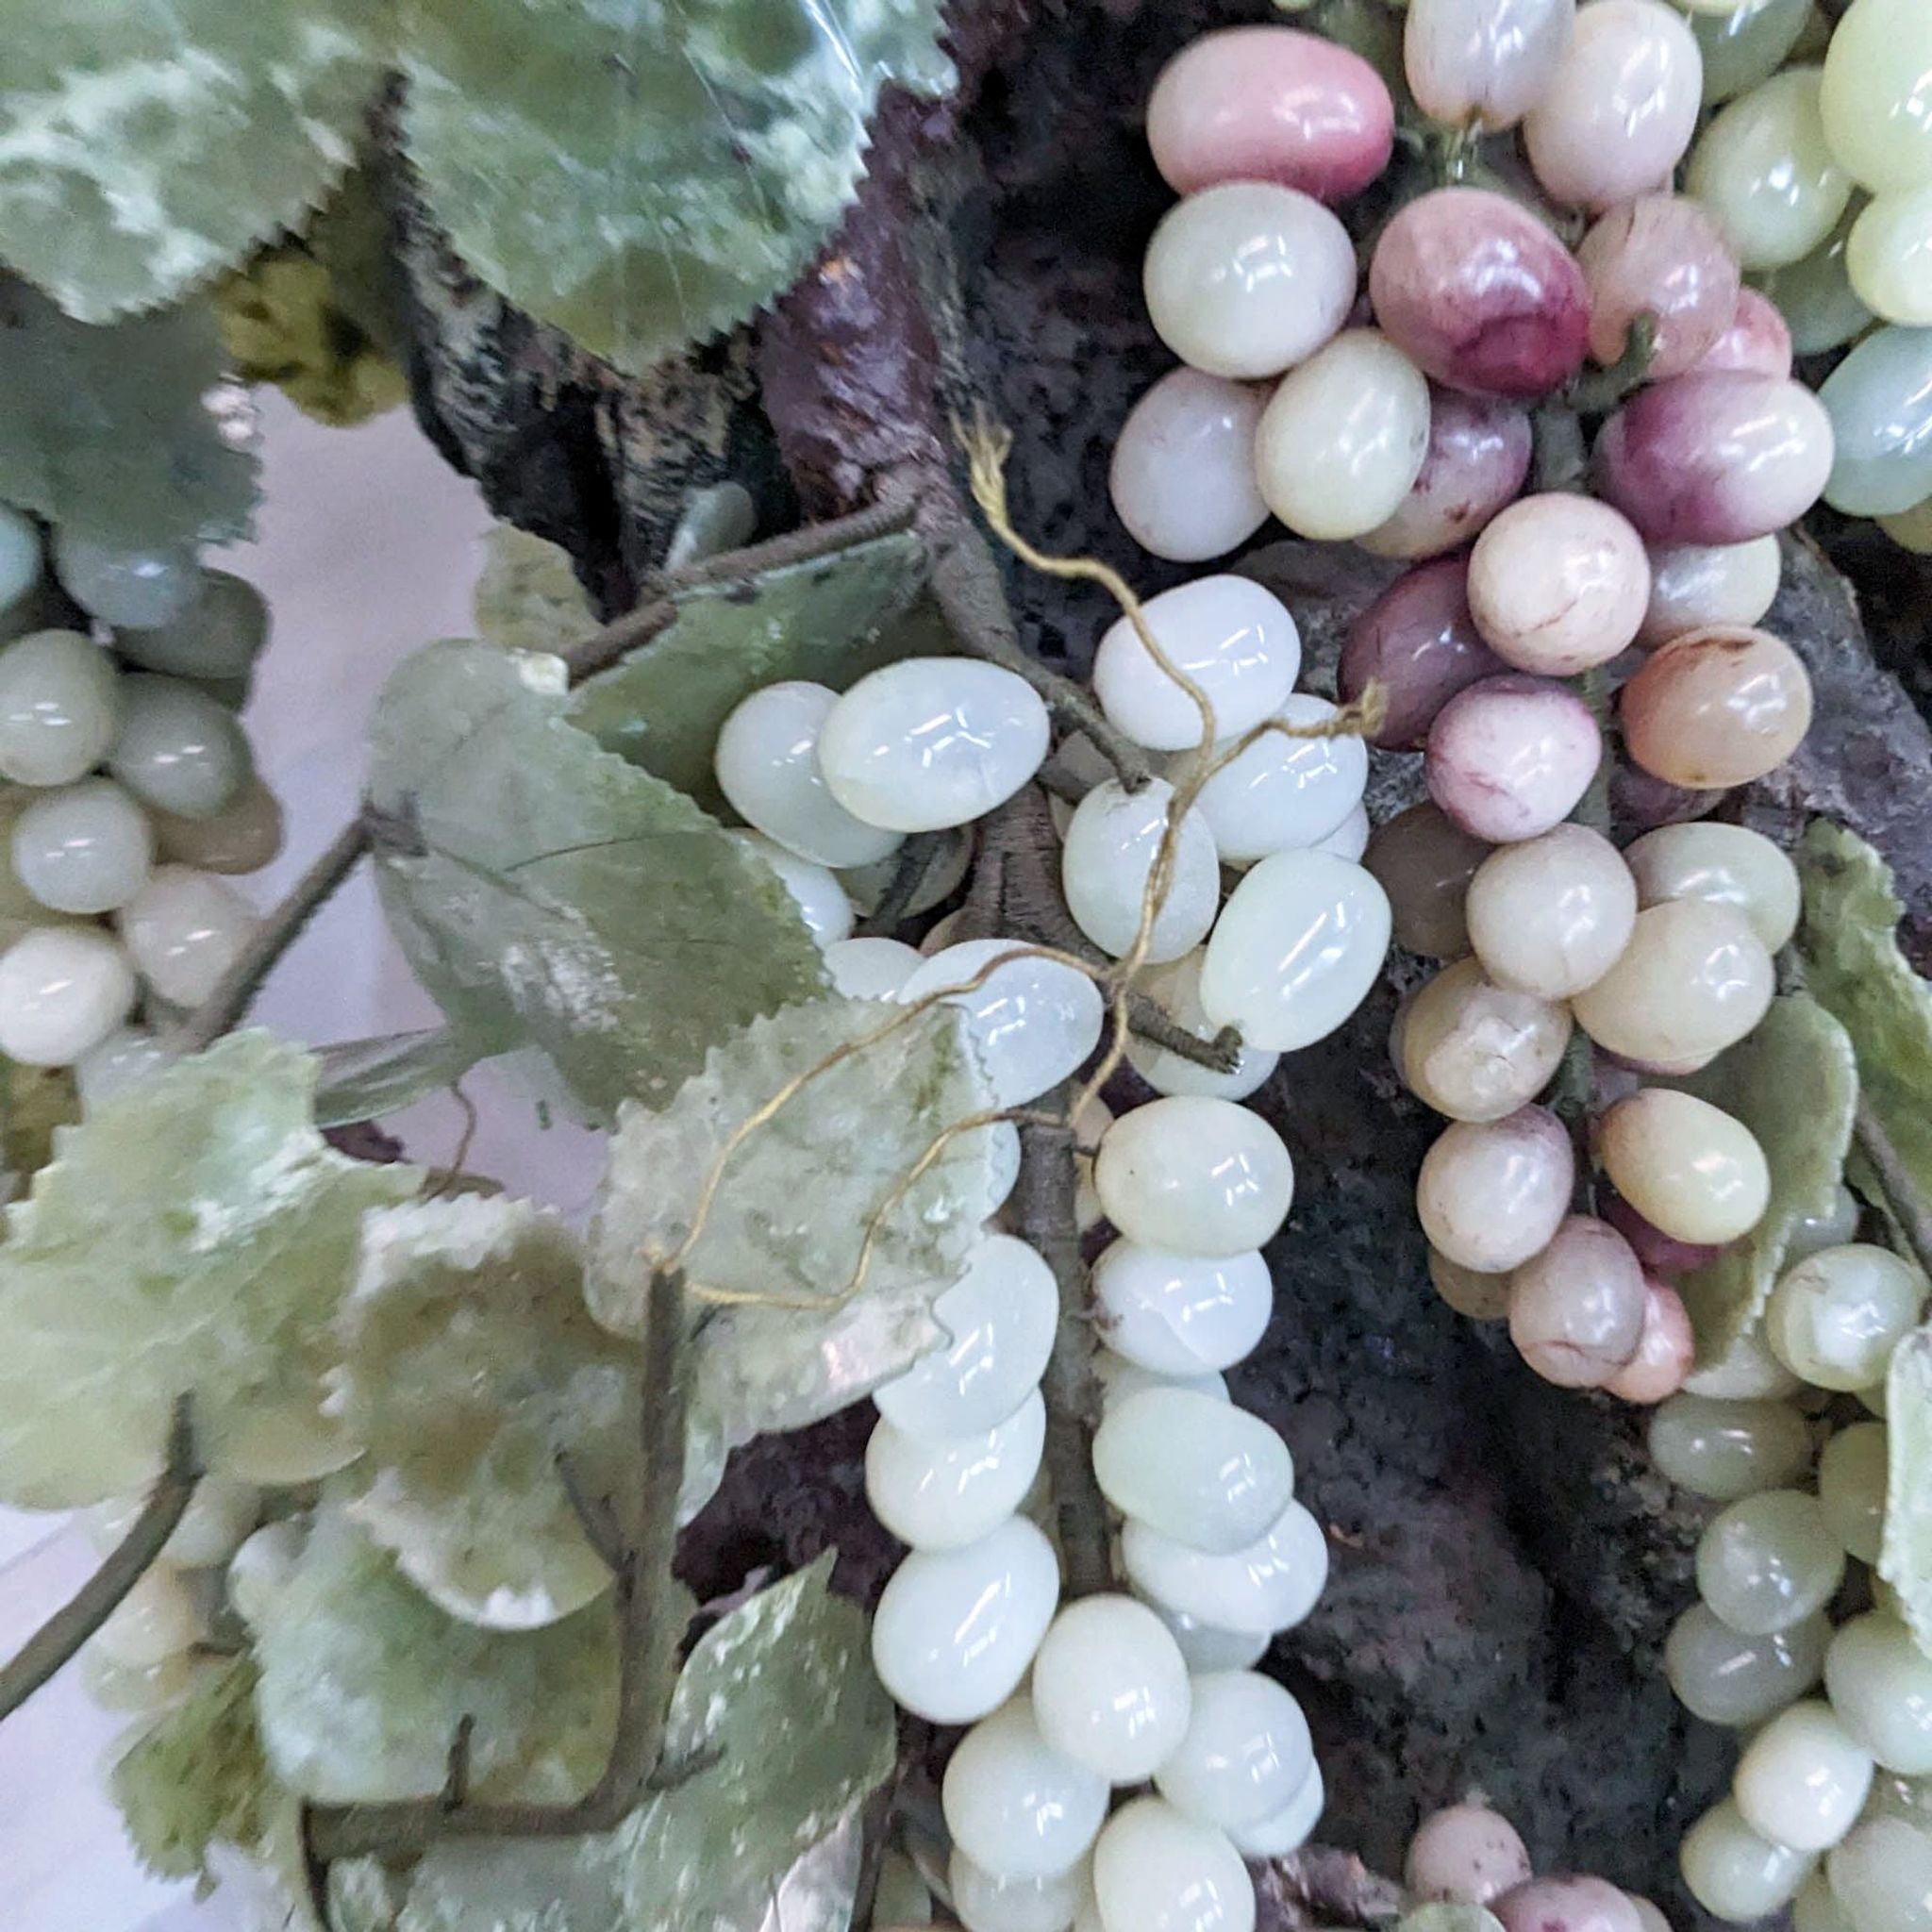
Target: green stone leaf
(195, 1778)
(147, 144)
(1853, 968)
(1797, 1050)
(828, 622)
(364, 1681)
(645, 174)
(364, 1079)
(1442, 1915)
(779, 1704)
(194, 1237)
(549, 894)
(791, 1216)
(107, 431)
(34, 1101)
(470, 1364)
(527, 597)
(1905, 1559)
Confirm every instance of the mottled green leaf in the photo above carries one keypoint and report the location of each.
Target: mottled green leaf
(828, 622)
(791, 1217)
(780, 1705)
(194, 1237)
(644, 173)
(547, 893)
(527, 597)
(470, 1363)
(364, 1079)
(1853, 968)
(146, 144)
(364, 1681)
(1793, 1083)
(1905, 1560)
(195, 1778)
(107, 431)
(34, 1101)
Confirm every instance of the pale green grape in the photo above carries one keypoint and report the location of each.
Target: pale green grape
(20, 556)
(1816, 1908)
(1764, 171)
(177, 748)
(1769, 1561)
(1745, 44)
(184, 929)
(1878, 93)
(1835, 1317)
(83, 848)
(59, 706)
(1803, 1778)
(1882, 1875)
(1733, 1873)
(1728, 1449)
(125, 584)
(1879, 399)
(219, 634)
(1890, 256)
(1816, 297)
(1851, 1488)
(1880, 1684)
(117, 1063)
(1726, 1678)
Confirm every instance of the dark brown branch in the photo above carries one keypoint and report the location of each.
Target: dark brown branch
(647, 1641)
(70, 1627)
(1903, 1195)
(915, 858)
(1044, 1199)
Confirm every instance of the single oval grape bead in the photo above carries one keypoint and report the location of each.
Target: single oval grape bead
(956, 1630)
(1477, 457)
(1746, 1372)
(1205, 1472)
(126, 1055)
(1181, 1314)
(1015, 1805)
(1566, 1903)
(1880, 1685)
(1881, 1875)
(1835, 1317)
(219, 634)
(1509, 757)
(1182, 477)
(1733, 1873)
(1110, 1691)
(1475, 1051)
(1720, 865)
(1803, 1778)
(930, 743)
(1663, 257)
(1112, 845)
(1877, 101)
(1558, 584)
(122, 584)
(1466, 1855)
(1195, 1175)
(1769, 1561)
(1889, 256)
(936, 1492)
(1245, 1754)
(1717, 707)
(1156, 1871)
(1577, 1309)
(1852, 1476)
(60, 707)
(1737, 1681)
(1424, 860)
(1687, 1167)
(1764, 171)
(1880, 404)
(1698, 586)
(62, 991)
(83, 848)
(176, 747)
(1491, 1195)
(1549, 916)
(983, 1903)
(1484, 60)
(1729, 1448)
(1694, 980)
(1269, 1586)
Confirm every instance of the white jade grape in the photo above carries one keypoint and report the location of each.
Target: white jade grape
(1835, 1317)
(176, 747)
(126, 1055)
(1182, 476)
(1119, 1378)
(1034, 1020)
(1882, 1875)
(219, 634)
(1245, 1754)
(1111, 1688)
(1803, 1778)
(1205, 1472)
(1733, 1873)
(814, 889)
(956, 1630)
(1814, 1233)
(85, 847)
(1177, 988)
(1283, 794)
(1156, 1871)
(939, 1492)
(1181, 1314)
(60, 707)
(1112, 843)
(1550, 915)
(1851, 1488)
(985, 1904)
(1726, 1678)
(62, 991)
(871, 968)
(126, 584)
(767, 766)
(999, 1320)
(1269, 1586)
(1195, 1177)
(1724, 865)
(1350, 839)
(1015, 1805)
(1880, 1685)
(262, 1564)
(1207, 1646)
(1230, 638)
(1286, 1830)
(930, 743)
(1769, 1561)
(160, 1617)
(1296, 949)
(184, 929)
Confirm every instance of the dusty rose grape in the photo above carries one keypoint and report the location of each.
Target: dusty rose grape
(1715, 458)
(1476, 1051)
(1424, 860)
(1666, 1350)
(1492, 1193)
(1419, 640)
(1716, 708)
(1576, 1310)
(1643, 802)
(1509, 757)
(1478, 455)
(1757, 342)
(1270, 104)
(1484, 59)
(1566, 1905)
(1660, 255)
(1467, 1854)
(1660, 1253)
(1558, 583)
(1479, 294)
(1182, 476)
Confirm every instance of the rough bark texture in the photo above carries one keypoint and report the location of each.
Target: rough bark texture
(1505, 1563)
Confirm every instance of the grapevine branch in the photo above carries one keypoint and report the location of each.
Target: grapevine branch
(70, 1627)
(647, 1639)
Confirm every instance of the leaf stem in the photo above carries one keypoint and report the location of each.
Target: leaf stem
(1903, 1195)
(70, 1627)
(1046, 1203)
(647, 1641)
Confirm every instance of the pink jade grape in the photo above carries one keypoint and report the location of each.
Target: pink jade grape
(1757, 342)
(1270, 104)
(1660, 256)
(1419, 642)
(1644, 802)
(1666, 1351)
(1479, 294)
(1477, 458)
(1509, 757)
(1715, 458)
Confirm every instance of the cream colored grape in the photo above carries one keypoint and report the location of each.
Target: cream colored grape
(1694, 979)
(1687, 1167)
(1877, 100)
(1769, 1561)
(1817, 1909)
(871, 968)
(1889, 256)
(1721, 865)
(1491, 1195)
(1475, 1051)
(1725, 1449)
(1107, 860)
(184, 929)
(1551, 915)
(1734, 1874)
(1803, 1778)
(1466, 1854)
(1558, 583)
(1696, 585)
(1577, 1309)
(1835, 1317)
(62, 991)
